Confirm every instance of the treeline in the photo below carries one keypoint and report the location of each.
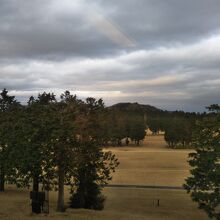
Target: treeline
(53, 143)
(122, 125)
(177, 126)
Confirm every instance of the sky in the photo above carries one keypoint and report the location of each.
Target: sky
(162, 53)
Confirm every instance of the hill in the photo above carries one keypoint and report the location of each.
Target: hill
(131, 107)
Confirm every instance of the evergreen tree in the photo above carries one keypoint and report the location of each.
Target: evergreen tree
(63, 142)
(36, 126)
(92, 171)
(204, 182)
(137, 128)
(8, 113)
(92, 167)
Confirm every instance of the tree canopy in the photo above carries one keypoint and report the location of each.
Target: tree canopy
(204, 182)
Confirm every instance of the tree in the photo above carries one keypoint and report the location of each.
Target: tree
(92, 171)
(36, 125)
(116, 126)
(92, 167)
(214, 108)
(178, 132)
(204, 182)
(154, 124)
(63, 141)
(8, 108)
(137, 128)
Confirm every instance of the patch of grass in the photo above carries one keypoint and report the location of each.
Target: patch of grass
(151, 164)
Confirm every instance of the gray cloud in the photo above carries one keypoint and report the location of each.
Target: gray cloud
(164, 53)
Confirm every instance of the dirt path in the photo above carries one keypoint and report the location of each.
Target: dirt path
(144, 187)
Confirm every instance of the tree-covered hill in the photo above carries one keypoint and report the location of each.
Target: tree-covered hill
(177, 125)
(139, 108)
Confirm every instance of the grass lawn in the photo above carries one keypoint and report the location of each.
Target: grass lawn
(121, 204)
(150, 164)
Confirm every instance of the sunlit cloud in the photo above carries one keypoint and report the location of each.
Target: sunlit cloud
(158, 81)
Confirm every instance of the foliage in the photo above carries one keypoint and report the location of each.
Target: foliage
(8, 109)
(136, 128)
(91, 172)
(204, 182)
(179, 132)
(93, 167)
(35, 130)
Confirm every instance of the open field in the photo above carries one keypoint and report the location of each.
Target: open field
(121, 204)
(150, 164)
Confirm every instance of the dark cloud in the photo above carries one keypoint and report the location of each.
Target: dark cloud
(164, 53)
(154, 23)
(60, 29)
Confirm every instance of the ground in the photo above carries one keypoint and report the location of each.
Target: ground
(150, 164)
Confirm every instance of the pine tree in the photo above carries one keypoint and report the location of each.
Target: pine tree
(8, 113)
(204, 182)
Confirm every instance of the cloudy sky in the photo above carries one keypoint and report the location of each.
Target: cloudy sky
(163, 53)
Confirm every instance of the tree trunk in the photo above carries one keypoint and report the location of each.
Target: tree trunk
(119, 142)
(36, 183)
(2, 180)
(82, 189)
(61, 177)
(127, 141)
(82, 196)
(60, 201)
(138, 143)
